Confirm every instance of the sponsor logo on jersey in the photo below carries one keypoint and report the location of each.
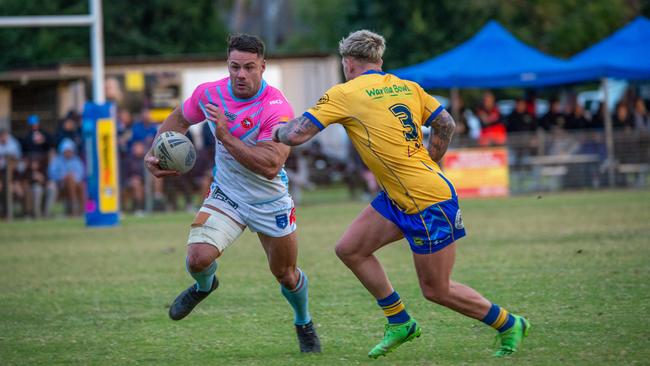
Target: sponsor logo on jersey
(324, 99)
(276, 101)
(219, 195)
(231, 116)
(247, 123)
(281, 220)
(459, 221)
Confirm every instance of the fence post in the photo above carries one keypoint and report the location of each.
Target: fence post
(609, 136)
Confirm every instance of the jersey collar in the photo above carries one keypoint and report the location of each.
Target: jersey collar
(374, 72)
(259, 92)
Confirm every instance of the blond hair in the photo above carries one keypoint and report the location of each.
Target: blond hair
(363, 45)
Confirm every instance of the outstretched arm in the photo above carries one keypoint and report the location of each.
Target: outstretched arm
(442, 128)
(295, 132)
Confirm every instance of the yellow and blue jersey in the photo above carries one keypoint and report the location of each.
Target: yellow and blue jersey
(383, 116)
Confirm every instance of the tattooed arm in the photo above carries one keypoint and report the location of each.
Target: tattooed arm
(295, 132)
(442, 128)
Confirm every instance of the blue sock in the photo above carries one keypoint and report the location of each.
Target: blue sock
(394, 309)
(204, 278)
(297, 298)
(499, 318)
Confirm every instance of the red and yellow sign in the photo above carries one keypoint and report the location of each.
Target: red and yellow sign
(107, 172)
(478, 172)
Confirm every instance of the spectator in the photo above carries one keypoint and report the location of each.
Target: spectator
(133, 197)
(67, 172)
(70, 129)
(493, 131)
(598, 119)
(183, 184)
(622, 118)
(576, 119)
(297, 168)
(641, 116)
(520, 120)
(145, 129)
(205, 157)
(37, 148)
(554, 117)
(124, 131)
(10, 154)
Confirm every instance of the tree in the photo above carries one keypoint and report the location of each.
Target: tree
(157, 27)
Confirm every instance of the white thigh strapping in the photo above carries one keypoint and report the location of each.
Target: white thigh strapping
(214, 228)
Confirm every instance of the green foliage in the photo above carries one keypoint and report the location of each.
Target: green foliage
(415, 29)
(157, 27)
(575, 264)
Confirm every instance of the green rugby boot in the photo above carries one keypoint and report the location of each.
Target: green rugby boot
(394, 336)
(511, 339)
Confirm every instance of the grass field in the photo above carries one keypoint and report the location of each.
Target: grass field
(578, 265)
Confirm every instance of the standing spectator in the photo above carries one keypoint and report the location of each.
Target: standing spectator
(622, 118)
(70, 129)
(598, 119)
(133, 173)
(554, 117)
(576, 118)
(641, 116)
(493, 131)
(10, 154)
(145, 129)
(297, 168)
(67, 172)
(124, 131)
(520, 120)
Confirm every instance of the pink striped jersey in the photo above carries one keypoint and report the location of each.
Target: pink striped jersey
(251, 120)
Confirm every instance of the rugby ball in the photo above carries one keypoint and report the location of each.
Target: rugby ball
(175, 151)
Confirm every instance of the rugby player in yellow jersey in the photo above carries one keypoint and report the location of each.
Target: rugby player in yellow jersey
(382, 115)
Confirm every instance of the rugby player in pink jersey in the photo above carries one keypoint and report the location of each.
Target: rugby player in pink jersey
(250, 184)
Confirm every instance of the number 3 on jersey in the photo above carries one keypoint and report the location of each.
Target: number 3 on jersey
(403, 113)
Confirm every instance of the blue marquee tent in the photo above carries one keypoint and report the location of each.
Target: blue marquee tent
(624, 55)
(492, 58)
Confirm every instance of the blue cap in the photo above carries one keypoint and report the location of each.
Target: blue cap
(33, 119)
(67, 144)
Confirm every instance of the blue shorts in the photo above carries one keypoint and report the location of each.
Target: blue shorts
(428, 231)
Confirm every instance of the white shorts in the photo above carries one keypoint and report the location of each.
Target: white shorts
(274, 219)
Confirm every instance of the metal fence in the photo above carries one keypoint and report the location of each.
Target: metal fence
(565, 159)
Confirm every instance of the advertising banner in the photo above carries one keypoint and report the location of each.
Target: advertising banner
(478, 172)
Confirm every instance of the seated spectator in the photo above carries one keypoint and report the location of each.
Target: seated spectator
(38, 143)
(10, 154)
(493, 131)
(67, 174)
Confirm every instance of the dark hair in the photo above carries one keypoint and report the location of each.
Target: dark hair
(245, 43)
